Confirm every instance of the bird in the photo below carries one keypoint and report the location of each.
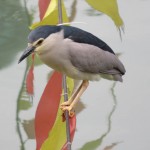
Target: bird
(76, 53)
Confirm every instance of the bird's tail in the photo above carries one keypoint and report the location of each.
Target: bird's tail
(118, 77)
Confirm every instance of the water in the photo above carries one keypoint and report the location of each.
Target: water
(111, 115)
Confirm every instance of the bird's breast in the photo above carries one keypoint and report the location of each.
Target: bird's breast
(54, 59)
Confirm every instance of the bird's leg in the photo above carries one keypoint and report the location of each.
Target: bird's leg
(77, 96)
(67, 103)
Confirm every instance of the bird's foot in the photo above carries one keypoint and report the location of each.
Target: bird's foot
(69, 108)
(67, 103)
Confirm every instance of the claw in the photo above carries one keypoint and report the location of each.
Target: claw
(69, 109)
(67, 103)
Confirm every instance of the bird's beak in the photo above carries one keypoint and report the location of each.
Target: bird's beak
(30, 49)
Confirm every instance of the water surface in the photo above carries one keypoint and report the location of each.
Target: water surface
(112, 115)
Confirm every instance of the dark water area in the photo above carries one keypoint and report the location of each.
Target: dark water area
(14, 30)
(110, 115)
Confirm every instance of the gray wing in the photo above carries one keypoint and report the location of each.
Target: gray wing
(91, 59)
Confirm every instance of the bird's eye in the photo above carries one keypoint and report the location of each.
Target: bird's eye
(39, 42)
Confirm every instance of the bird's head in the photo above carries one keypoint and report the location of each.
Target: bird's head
(36, 38)
(32, 47)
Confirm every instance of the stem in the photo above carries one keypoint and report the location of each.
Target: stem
(67, 114)
(65, 85)
(60, 17)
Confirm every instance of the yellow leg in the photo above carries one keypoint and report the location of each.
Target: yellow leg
(67, 103)
(76, 98)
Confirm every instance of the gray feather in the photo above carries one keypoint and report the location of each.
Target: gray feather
(90, 59)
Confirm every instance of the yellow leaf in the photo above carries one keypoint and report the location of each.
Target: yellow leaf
(51, 15)
(109, 7)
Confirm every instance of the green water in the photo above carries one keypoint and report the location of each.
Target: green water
(110, 116)
(13, 30)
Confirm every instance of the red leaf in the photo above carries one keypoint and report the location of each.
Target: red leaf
(72, 122)
(30, 78)
(47, 108)
(43, 5)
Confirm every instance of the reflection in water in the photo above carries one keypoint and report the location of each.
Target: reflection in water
(27, 12)
(19, 122)
(23, 103)
(93, 145)
(93, 12)
(28, 126)
(73, 11)
(24, 100)
(14, 30)
(110, 147)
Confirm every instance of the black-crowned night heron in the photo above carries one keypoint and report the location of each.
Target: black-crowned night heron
(76, 53)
